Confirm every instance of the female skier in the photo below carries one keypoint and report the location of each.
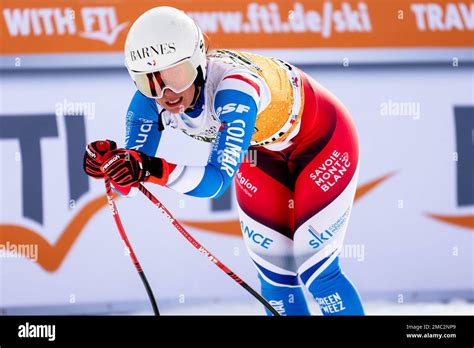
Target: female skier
(294, 198)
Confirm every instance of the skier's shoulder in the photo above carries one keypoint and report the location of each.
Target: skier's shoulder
(235, 76)
(142, 108)
(227, 71)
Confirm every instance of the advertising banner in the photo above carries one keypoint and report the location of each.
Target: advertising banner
(307, 31)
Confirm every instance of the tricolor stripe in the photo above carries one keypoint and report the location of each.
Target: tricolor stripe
(313, 231)
(243, 78)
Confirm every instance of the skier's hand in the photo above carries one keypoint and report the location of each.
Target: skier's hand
(127, 167)
(94, 156)
(123, 167)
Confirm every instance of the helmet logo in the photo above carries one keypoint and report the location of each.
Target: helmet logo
(148, 51)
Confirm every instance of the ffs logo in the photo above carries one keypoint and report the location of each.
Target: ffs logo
(319, 238)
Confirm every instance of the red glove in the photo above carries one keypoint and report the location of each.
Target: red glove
(127, 167)
(94, 156)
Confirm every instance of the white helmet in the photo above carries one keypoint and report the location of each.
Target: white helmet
(165, 49)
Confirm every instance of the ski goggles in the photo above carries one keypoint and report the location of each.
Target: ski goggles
(178, 78)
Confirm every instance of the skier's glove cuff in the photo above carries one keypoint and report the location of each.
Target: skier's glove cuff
(126, 167)
(157, 169)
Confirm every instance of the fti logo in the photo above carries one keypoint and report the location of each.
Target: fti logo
(97, 22)
(29, 131)
(463, 159)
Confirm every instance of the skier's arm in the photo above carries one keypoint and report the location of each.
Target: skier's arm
(237, 110)
(142, 132)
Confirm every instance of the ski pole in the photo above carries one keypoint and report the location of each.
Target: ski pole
(203, 250)
(134, 258)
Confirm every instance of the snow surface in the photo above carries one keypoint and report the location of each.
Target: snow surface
(455, 307)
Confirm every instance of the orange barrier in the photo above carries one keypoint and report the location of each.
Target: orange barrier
(54, 26)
